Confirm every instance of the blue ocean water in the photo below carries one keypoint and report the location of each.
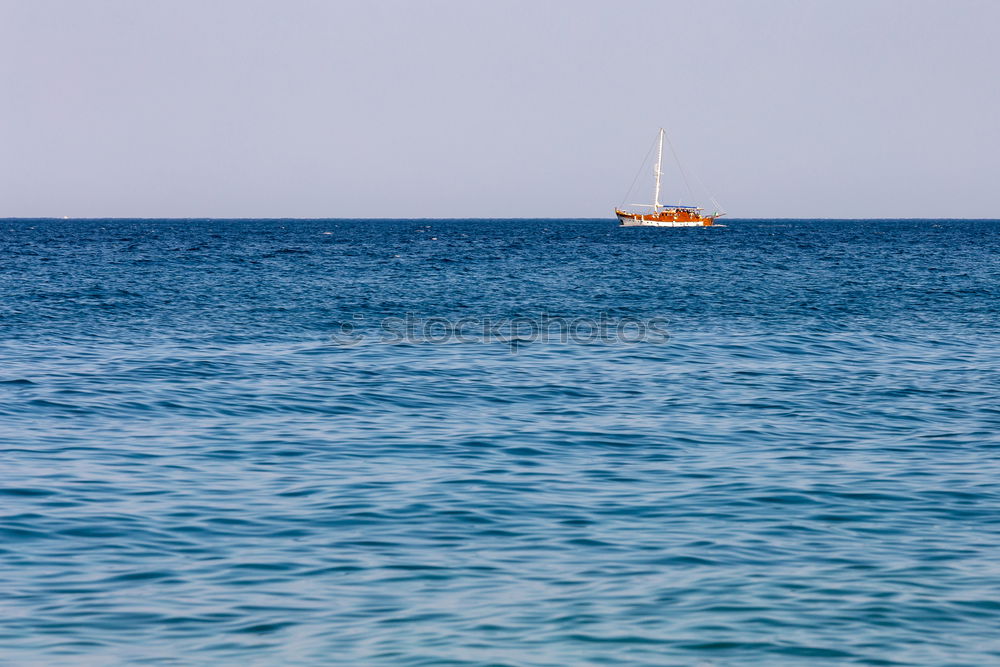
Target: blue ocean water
(213, 453)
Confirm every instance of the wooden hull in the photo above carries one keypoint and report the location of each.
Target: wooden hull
(668, 218)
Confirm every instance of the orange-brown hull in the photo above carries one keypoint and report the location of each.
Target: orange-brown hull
(667, 218)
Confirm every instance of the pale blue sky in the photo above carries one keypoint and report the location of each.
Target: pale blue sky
(309, 108)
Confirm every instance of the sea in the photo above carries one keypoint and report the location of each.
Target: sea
(499, 442)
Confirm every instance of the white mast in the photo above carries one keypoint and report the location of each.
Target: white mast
(659, 162)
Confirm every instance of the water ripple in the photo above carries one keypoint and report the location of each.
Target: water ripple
(804, 473)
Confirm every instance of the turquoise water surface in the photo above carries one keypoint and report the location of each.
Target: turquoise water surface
(265, 442)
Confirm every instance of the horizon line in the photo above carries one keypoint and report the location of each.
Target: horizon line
(455, 218)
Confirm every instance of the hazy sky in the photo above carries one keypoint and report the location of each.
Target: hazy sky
(299, 108)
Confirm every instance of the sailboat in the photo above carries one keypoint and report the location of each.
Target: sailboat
(665, 216)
